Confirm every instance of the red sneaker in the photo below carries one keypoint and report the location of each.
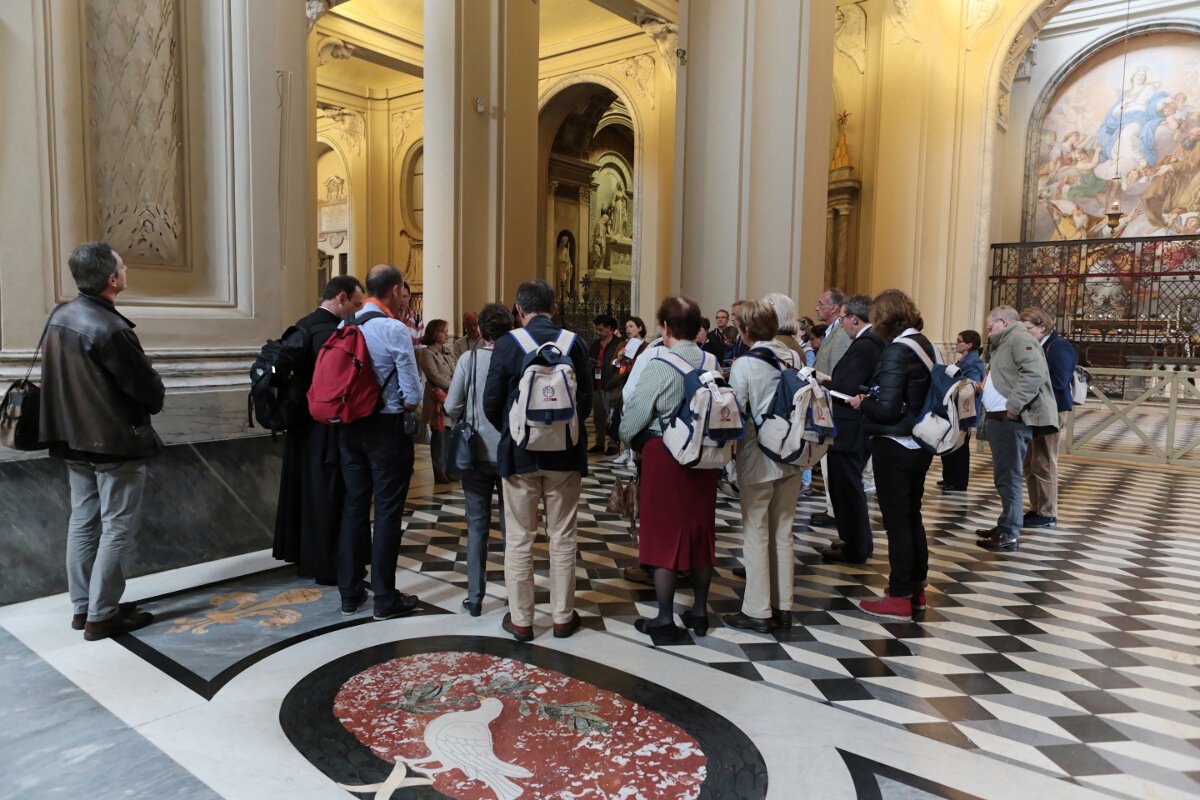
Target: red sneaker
(918, 598)
(888, 607)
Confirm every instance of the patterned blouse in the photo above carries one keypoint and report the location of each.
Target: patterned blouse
(659, 392)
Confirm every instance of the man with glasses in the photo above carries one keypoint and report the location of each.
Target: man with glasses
(848, 454)
(833, 347)
(1017, 399)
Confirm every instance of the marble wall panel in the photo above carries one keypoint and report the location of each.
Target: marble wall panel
(203, 501)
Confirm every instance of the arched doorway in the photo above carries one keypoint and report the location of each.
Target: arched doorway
(589, 222)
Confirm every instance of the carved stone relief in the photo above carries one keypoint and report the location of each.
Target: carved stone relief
(980, 14)
(903, 16)
(135, 137)
(850, 34)
(401, 121)
(640, 71)
(1028, 62)
(329, 47)
(666, 38)
(349, 126)
(315, 9)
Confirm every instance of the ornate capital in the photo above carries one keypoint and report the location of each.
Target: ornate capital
(666, 38)
(329, 47)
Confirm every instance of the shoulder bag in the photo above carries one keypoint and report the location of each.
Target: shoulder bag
(463, 435)
(20, 411)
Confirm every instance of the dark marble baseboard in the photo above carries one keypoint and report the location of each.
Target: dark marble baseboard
(204, 501)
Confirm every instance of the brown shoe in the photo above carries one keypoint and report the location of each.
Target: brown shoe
(564, 629)
(638, 575)
(522, 633)
(118, 623)
(78, 621)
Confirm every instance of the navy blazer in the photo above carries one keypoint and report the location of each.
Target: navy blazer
(500, 391)
(1060, 358)
(853, 371)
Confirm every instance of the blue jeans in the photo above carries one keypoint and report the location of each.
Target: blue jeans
(377, 460)
(478, 489)
(106, 513)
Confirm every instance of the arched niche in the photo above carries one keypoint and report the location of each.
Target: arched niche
(611, 109)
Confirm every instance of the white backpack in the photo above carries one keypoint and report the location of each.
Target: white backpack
(798, 427)
(1081, 381)
(543, 417)
(950, 405)
(701, 432)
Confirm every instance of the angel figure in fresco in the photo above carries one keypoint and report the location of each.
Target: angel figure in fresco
(1130, 127)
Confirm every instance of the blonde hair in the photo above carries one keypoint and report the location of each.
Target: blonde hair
(758, 319)
(1038, 317)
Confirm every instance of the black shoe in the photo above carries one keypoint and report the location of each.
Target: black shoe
(948, 488)
(822, 519)
(522, 633)
(564, 629)
(740, 620)
(612, 450)
(404, 604)
(667, 631)
(739, 572)
(473, 608)
(597, 450)
(79, 621)
(117, 623)
(840, 555)
(1000, 543)
(352, 605)
(699, 625)
(942, 484)
(1038, 521)
(781, 619)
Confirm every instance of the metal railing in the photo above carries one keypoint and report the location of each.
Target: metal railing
(1154, 419)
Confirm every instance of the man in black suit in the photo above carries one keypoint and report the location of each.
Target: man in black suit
(850, 450)
(603, 354)
(533, 477)
(309, 514)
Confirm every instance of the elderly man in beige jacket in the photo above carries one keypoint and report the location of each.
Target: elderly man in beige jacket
(1018, 403)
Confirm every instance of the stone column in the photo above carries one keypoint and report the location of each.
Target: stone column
(480, 152)
(754, 100)
(583, 239)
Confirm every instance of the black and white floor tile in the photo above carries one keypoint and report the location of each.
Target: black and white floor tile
(1068, 669)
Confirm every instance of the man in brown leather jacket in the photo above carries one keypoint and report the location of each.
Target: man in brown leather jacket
(98, 392)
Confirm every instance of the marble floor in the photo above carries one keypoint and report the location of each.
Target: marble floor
(1069, 669)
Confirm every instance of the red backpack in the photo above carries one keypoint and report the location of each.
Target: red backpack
(344, 387)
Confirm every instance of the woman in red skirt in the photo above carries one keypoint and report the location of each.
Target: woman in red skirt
(677, 504)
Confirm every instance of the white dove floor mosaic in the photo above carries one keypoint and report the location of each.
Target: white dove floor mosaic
(1068, 669)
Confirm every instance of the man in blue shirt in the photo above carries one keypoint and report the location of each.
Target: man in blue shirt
(377, 455)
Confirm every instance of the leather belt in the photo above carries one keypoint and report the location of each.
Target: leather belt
(1001, 416)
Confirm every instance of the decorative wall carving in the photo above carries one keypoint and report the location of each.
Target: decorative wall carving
(903, 16)
(135, 138)
(640, 71)
(980, 14)
(401, 122)
(850, 34)
(349, 126)
(1028, 62)
(666, 38)
(329, 47)
(314, 9)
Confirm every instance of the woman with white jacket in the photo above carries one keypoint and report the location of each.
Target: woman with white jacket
(768, 489)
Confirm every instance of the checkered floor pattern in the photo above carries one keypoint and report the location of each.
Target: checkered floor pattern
(1078, 655)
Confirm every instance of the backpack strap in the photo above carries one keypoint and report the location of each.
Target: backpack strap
(564, 342)
(765, 355)
(916, 348)
(524, 340)
(681, 364)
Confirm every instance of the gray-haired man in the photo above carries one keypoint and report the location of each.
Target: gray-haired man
(98, 393)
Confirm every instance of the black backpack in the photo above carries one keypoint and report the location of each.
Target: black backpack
(276, 398)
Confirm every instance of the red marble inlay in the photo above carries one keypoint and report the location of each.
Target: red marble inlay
(480, 726)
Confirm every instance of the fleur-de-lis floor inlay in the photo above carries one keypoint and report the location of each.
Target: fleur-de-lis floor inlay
(239, 606)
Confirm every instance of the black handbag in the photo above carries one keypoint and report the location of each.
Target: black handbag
(20, 411)
(463, 444)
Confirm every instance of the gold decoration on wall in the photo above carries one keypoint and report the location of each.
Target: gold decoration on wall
(841, 154)
(244, 605)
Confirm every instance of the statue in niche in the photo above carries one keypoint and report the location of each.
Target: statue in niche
(620, 222)
(335, 189)
(564, 265)
(600, 241)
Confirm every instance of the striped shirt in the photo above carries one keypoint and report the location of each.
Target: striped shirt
(659, 391)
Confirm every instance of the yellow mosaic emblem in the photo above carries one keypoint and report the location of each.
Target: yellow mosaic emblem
(239, 606)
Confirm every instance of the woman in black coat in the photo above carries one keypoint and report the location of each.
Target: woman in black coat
(898, 392)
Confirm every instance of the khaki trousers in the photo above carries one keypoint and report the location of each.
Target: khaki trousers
(560, 493)
(768, 511)
(1041, 471)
